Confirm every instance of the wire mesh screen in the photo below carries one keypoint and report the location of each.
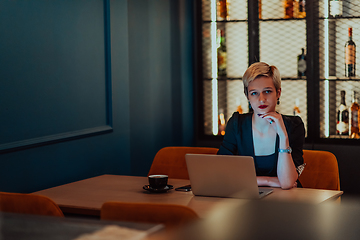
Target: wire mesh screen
(225, 9)
(339, 33)
(281, 43)
(282, 31)
(237, 45)
(206, 50)
(229, 32)
(237, 100)
(207, 107)
(282, 38)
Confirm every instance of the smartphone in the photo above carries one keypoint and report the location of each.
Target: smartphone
(185, 188)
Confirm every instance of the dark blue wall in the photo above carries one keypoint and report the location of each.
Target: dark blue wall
(91, 87)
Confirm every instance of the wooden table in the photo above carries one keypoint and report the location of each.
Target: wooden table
(86, 197)
(33, 227)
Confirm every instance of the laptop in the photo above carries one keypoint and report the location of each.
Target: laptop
(224, 176)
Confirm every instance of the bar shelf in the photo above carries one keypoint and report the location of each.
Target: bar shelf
(332, 78)
(278, 41)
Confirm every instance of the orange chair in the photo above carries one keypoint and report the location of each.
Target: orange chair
(29, 204)
(321, 170)
(168, 214)
(171, 160)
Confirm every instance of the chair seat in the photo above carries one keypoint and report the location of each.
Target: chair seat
(170, 215)
(171, 160)
(321, 170)
(29, 204)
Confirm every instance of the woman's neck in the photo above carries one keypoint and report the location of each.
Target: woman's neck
(264, 137)
(260, 124)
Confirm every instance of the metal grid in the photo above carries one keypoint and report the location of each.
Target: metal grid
(237, 45)
(282, 9)
(236, 98)
(207, 107)
(236, 42)
(206, 50)
(337, 33)
(333, 34)
(281, 41)
(294, 94)
(235, 10)
(350, 8)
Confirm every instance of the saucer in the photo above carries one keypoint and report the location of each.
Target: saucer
(158, 190)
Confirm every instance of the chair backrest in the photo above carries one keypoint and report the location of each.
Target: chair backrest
(168, 214)
(171, 160)
(29, 204)
(321, 170)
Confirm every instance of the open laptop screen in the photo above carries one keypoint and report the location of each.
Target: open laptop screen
(223, 176)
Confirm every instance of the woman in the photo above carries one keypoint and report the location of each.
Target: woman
(275, 141)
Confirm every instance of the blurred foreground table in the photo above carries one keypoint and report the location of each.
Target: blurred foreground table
(33, 227)
(273, 220)
(86, 197)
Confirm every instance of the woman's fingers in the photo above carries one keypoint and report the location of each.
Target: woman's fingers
(270, 117)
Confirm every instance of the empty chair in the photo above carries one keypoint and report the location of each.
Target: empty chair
(29, 204)
(171, 160)
(321, 170)
(168, 214)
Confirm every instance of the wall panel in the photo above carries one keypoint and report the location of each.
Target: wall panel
(54, 62)
(57, 59)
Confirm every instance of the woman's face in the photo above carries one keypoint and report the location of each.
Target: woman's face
(263, 95)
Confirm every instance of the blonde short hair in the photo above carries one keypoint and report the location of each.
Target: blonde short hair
(261, 69)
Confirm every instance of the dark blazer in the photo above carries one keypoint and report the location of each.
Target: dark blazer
(238, 139)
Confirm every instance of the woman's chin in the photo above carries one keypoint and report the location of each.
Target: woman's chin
(264, 111)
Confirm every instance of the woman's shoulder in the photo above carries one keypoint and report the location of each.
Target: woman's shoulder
(293, 121)
(241, 117)
(239, 122)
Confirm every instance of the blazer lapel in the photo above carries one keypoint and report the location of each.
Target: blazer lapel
(247, 137)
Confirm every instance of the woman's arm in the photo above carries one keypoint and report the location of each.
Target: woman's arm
(264, 181)
(286, 169)
(268, 181)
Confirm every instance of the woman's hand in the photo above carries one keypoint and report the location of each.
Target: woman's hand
(264, 181)
(276, 121)
(286, 170)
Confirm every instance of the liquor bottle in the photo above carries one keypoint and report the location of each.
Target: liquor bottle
(222, 56)
(342, 126)
(288, 8)
(350, 56)
(296, 109)
(295, 8)
(354, 117)
(238, 104)
(221, 122)
(239, 109)
(301, 9)
(302, 64)
(223, 9)
(336, 8)
(259, 8)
